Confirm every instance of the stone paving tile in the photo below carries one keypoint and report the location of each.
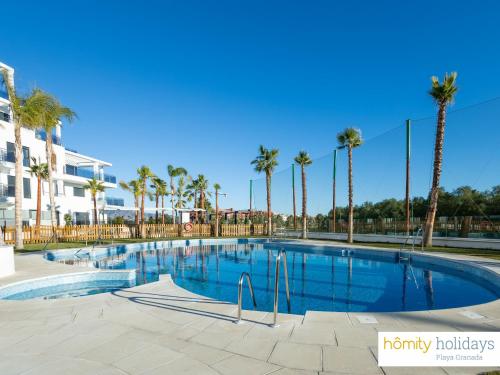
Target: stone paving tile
(338, 318)
(298, 356)
(147, 359)
(217, 340)
(77, 344)
(37, 344)
(314, 333)
(114, 350)
(263, 331)
(244, 366)
(17, 364)
(73, 366)
(349, 360)
(468, 370)
(360, 337)
(184, 366)
(254, 348)
(205, 354)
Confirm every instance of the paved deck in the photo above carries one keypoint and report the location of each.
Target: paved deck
(160, 328)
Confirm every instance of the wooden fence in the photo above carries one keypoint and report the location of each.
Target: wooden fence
(86, 233)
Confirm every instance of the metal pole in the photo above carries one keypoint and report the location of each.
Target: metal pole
(334, 189)
(293, 197)
(276, 285)
(408, 155)
(250, 211)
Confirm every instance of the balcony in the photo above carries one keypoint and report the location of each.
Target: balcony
(80, 172)
(115, 201)
(4, 117)
(10, 156)
(109, 178)
(7, 191)
(42, 135)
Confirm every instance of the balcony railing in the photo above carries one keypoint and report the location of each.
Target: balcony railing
(115, 201)
(42, 135)
(109, 178)
(88, 173)
(81, 172)
(10, 156)
(4, 117)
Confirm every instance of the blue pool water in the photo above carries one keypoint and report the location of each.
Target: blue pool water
(320, 278)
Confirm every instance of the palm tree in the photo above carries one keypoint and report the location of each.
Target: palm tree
(157, 184)
(202, 187)
(217, 189)
(133, 186)
(95, 186)
(174, 172)
(266, 162)
(41, 172)
(144, 174)
(443, 94)
(192, 192)
(162, 191)
(24, 114)
(303, 160)
(181, 193)
(350, 138)
(49, 117)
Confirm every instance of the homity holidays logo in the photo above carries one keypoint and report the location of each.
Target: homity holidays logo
(438, 349)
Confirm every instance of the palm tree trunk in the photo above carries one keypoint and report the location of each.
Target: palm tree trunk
(18, 197)
(136, 205)
(94, 198)
(216, 213)
(304, 203)
(48, 150)
(293, 196)
(202, 205)
(436, 176)
(142, 208)
(38, 202)
(163, 209)
(157, 203)
(269, 215)
(351, 208)
(172, 192)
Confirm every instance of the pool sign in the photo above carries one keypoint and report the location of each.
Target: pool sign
(438, 349)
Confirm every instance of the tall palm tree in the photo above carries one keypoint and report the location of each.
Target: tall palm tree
(157, 184)
(24, 114)
(350, 138)
(443, 94)
(162, 191)
(217, 189)
(174, 172)
(202, 187)
(303, 160)
(41, 172)
(192, 190)
(181, 193)
(144, 175)
(50, 115)
(134, 187)
(94, 186)
(266, 162)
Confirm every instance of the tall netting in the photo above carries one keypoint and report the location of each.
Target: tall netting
(469, 201)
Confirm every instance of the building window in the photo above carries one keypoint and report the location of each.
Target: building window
(81, 218)
(11, 154)
(27, 188)
(11, 187)
(78, 191)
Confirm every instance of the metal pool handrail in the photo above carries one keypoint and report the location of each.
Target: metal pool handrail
(281, 253)
(240, 293)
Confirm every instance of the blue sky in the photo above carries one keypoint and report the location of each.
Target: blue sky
(202, 83)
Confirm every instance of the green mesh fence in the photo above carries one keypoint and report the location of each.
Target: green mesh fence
(471, 160)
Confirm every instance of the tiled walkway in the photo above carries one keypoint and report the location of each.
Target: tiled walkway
(159, 328)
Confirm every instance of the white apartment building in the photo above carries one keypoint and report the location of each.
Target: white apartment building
(71, 173)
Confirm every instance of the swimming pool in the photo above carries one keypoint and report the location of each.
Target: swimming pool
(321, 278)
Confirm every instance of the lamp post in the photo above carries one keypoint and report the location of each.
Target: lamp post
(217, 193)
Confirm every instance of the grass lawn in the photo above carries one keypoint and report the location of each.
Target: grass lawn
(493, 254)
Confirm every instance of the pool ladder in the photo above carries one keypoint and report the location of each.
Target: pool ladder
(281, 254)
(408, 238)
